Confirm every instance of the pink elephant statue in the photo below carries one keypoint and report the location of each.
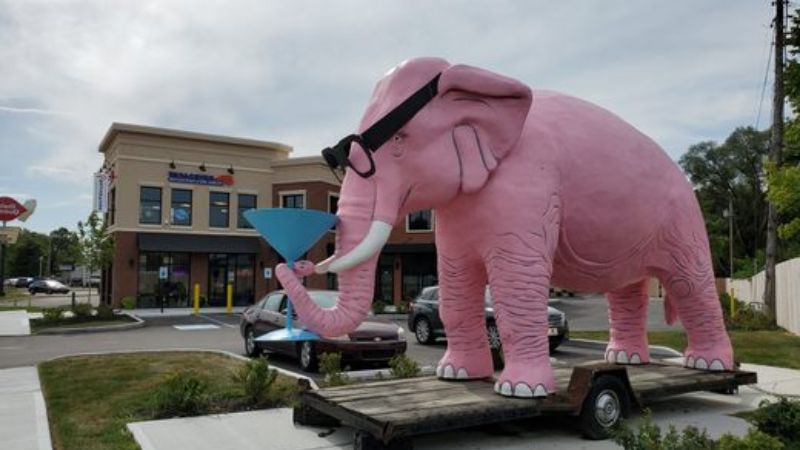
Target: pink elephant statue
(530, 188)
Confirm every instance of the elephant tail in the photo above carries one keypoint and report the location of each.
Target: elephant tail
(670, 312)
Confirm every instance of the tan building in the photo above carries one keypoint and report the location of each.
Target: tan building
(176, 200)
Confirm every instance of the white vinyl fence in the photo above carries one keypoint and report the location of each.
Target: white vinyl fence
(787, 295)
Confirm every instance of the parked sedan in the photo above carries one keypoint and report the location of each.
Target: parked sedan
(425, 323)
(374, 341)
(47, 287)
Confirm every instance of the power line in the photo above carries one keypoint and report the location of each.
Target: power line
(766, 76)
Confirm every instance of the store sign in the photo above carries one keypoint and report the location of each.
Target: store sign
(200, 178)
(10, 209)
(163, 273)
(268, 273)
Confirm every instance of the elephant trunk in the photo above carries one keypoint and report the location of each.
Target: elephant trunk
(356, 283)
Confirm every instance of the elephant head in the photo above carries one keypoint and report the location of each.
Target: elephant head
(432, 131)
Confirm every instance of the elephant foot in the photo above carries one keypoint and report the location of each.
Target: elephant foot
(710, 360)
(527, 380)
(465, 365)
(631, 353)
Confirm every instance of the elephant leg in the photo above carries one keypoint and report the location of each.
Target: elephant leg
(461, 306)
(520, 266)
(627, 318)
(688, 277)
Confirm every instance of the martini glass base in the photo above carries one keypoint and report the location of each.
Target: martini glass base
(288, 334)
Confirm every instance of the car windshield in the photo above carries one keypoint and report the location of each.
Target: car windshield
(325, 299)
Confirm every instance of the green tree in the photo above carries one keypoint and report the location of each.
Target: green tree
(732, 172)
(65, 248)
(97, 246)
(23, 257)
(784, 181)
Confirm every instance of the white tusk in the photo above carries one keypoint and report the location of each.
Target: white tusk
(322, 266)
(372, 243)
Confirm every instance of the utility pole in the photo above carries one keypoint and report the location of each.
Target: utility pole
(775, 156)
(730, 233)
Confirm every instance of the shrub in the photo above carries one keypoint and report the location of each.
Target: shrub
(51, 315)
(378, 307)
(255, 379)
(104, 311)
(403, 367)
(648, 436)
(749, 320)
(82, 310)
(330, 365)
(128, 302)
(180, 394)
(780, 419)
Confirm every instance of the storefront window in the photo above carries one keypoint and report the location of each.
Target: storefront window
(149, 205)
(182, 207)
(420, 221)
(174, 290)
(385, 279)
(237, 270)
(246, 202)
(219, 203)
(419, 271)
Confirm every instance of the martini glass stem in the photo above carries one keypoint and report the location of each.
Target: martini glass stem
(289, 309)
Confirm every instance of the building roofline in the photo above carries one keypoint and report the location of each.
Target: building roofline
(300, 161)
(117, 127)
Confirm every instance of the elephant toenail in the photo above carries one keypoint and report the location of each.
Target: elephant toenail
(462, 374)
(701, 364)
(523, 390)
(622, 357)
(448, 371)
(689, 361)
(610, 356)
(497, 386)
(540, 391)
(505, 389)
(635, 359)
(716, 365)
(439, 371)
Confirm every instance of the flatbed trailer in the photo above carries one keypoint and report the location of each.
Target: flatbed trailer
(387, 414)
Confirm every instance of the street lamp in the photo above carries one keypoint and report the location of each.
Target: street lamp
(729, 214)
(41, 259)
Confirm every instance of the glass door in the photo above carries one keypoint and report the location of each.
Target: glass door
(238, 270)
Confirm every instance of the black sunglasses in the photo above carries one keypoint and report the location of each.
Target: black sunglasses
(338, 156)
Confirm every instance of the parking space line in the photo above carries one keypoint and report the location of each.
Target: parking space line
(218, 322)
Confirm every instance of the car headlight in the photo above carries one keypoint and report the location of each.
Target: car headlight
(401, 334)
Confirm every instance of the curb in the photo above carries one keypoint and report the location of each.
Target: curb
(137, 323)
(593, 344)
(189, 350)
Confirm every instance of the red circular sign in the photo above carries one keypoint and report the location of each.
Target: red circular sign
(10, 209)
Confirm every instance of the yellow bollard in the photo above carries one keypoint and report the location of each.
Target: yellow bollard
(196, 299)
(229, 303)
(733, 304)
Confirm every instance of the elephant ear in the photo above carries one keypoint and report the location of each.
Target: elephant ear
(492, 111)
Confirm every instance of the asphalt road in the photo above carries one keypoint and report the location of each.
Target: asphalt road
(82, 295)
(161, 334)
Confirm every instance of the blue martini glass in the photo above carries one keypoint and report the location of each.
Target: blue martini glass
(291, 232)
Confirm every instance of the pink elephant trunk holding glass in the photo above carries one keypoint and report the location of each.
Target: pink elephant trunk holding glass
(530, 189)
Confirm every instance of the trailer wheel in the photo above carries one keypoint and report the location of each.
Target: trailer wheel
(606, 404)
(365, 441)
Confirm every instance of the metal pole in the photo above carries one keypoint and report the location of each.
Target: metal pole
(776, 159)
(3, 262)
(730, 233)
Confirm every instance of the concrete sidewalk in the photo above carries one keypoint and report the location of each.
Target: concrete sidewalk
(274, 430)
(14, 323)
(177, 312)
(23, 414)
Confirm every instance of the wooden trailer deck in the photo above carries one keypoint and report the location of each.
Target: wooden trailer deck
(394, 409)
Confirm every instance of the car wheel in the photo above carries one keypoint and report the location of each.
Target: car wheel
(494, 336)
(554, 343)
(49, 292)
(308, 356)
(424, 331)
(32, 291)
(605, 405)
(250, 344)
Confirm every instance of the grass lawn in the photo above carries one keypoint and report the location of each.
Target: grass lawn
(773, 348)
(90, 399)
(15, 296)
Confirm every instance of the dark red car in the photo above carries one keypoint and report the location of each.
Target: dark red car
(374, 341)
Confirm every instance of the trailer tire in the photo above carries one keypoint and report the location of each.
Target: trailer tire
(607, 402)
(305, 415)
(365, 441)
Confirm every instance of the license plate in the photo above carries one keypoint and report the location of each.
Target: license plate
(552, 331)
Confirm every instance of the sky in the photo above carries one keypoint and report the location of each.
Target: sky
(301, 72)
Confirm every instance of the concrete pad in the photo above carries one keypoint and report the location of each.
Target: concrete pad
(23, 415)
(257, 430)
(771, 380)
(14, 323)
